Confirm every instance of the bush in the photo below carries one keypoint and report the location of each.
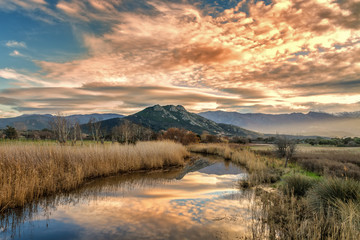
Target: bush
(326, 194)
(298, 184)
(11, 133)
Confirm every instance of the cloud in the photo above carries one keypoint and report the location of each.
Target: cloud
(36, 9)
(16, 44)
(275, 57)
(246, 93)
(8, 101)
(16, 53)
(21, 79)
(124, 99)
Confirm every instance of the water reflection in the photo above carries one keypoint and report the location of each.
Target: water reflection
(204, 204)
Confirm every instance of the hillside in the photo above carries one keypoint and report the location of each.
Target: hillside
(163, 117)
(41, 121)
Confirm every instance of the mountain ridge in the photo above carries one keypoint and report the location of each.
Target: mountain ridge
(160, 118)
(41, 121)
(311, 123)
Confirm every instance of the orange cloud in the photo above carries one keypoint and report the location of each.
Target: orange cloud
(284, 50)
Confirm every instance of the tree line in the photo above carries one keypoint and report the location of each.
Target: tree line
(66, 131)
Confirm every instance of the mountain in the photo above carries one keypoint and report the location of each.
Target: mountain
(349, 114)
(97, 116)
(24, 122)
(312, 123)
(163, 117)
(41, 121)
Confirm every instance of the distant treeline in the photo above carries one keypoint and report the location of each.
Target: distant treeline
(127, 132)
(338, 142)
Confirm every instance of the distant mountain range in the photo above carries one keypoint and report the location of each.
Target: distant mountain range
(163, 117)
(215, 122)
(41, 121)
(312, 123)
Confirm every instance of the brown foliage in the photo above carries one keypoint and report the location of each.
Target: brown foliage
(331, 163)
(180, 135)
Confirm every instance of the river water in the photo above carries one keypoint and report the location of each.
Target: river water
(200, 201)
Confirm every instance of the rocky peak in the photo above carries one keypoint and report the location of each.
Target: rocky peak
(173, 108)
(180, 108)
(158, 108)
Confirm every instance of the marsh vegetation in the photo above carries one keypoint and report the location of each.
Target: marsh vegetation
(171, 203)
(29, 171)
(302, 202)
(317, 196)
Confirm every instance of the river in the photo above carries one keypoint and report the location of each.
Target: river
(200, 201)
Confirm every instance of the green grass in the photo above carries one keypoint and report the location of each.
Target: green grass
(294, 168)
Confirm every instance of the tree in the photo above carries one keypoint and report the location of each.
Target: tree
(190, 138)
(123, 133)
(180, 135)
(285, 147)
(10, 133)
(76, 132)
(61, 128)
(95, 129)
(129, 132)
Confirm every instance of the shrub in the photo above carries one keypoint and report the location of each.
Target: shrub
(326, 194)
(297, 184)
(11, 133)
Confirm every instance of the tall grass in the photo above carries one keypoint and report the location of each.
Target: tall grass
(222, 150)
(312, 209)
(330, 161)
(284, 216)
(328, 193)
(327, 161)
(29, 171)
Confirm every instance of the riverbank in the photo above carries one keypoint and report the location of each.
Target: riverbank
(29, 171)
(261, 169)
(300, 204)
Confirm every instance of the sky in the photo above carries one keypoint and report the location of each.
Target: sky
(120, 56)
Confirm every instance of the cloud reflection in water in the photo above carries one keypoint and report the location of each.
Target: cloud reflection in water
(199, 206)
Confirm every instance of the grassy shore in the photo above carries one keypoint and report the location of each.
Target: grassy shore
(29, 171)
(301, 204)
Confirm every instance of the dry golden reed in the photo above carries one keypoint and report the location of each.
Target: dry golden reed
(29, 171)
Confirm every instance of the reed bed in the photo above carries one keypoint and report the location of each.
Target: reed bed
(330, 209)
(222, 150)
(30, 171)
(330, 161)
(343, 162)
